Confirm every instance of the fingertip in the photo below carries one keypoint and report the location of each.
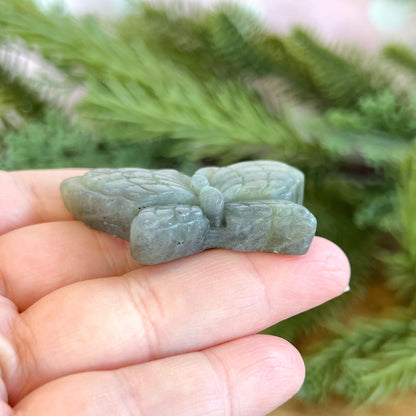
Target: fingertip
(333, 263)
(287, 364)
(268, 365)
(301, 282)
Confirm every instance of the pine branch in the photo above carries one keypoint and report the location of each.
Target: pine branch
(230, 115)
(139, 96)
(341, 82)
(384, 372)
(47, 143)
(207, 42)
(54, 142)
(343, 366)
(172, 36)
(79, 46)
(134, 113)
(382, 113)
(234, 32)
(231, 43)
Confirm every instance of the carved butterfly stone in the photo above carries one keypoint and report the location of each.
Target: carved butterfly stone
(248, 206)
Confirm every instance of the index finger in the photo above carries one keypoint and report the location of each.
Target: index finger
(32, 196)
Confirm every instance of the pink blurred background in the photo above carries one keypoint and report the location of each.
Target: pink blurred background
(367, 23)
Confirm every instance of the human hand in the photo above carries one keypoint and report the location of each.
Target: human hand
(85, 330)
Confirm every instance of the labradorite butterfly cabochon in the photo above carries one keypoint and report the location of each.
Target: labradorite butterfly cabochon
(165, 214)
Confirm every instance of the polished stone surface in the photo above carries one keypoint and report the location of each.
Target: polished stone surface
(248, 206)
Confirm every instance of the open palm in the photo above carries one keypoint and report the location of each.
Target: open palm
(85, 330)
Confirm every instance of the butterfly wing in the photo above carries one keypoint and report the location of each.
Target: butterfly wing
(262, 209)
(160, 234)
(109, 199)
(257, 180)
(271, 226)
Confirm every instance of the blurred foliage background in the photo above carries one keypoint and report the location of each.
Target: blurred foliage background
(159, 87)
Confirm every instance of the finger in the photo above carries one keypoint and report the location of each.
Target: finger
(40, 258)
(172, 308)
(30, 197)
(246, 377)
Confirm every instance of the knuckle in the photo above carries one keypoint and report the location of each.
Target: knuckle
(222, 382)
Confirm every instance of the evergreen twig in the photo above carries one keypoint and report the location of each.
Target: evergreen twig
(344, 365)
